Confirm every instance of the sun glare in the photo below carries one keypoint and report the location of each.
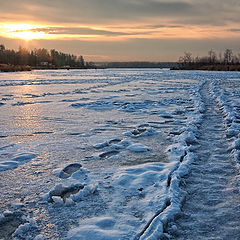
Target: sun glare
(23, 31)
(28, 35)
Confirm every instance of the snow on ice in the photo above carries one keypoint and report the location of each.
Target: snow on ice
(108, 150)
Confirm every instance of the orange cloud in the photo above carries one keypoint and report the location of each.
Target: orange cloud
(114, 33)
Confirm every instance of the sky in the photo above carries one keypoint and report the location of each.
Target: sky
(122, 30)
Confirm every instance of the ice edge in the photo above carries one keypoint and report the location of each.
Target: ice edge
(156, 228)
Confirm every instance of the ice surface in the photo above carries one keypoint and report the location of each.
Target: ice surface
(15, 161)
(227, 95)
(103, 148)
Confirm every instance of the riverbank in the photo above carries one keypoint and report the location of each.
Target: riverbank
(18, 68)
(65, 68)
(209, 67)
(14, 68)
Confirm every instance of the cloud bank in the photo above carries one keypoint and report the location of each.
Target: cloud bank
(127, 23)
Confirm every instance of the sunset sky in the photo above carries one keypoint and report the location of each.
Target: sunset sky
(122, 30)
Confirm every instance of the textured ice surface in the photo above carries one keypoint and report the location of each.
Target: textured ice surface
(131, 131)
(15, 161)
(227, 94)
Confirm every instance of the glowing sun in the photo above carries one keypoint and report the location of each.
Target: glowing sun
(23, 31)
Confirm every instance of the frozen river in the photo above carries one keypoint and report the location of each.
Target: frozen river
(99, 154)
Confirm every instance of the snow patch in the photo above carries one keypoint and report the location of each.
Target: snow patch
(138, 147)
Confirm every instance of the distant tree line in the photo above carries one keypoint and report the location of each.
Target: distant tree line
(226, 58)
(226, 61)
(40, 58)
